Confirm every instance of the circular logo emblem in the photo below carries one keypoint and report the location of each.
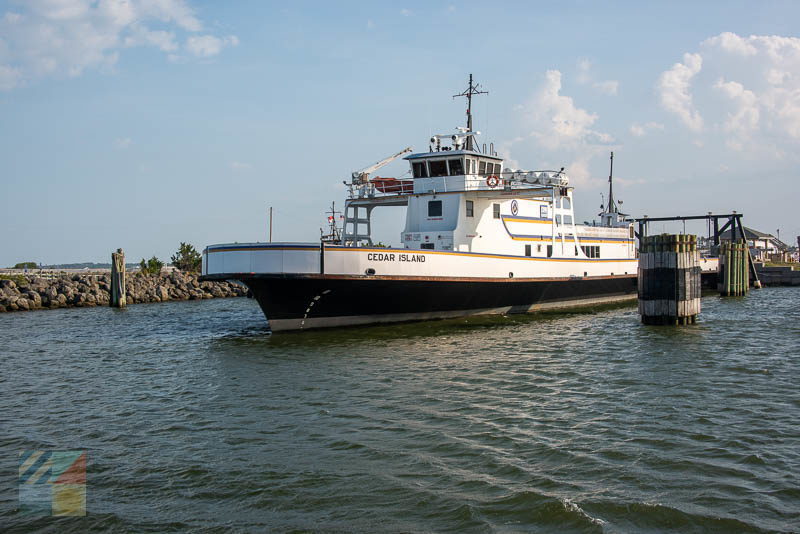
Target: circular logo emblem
(514, 208)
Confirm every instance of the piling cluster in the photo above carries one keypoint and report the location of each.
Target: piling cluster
(669, 279)
(734, 268)
(86, 290)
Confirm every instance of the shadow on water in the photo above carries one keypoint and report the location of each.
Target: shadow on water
(370, 334)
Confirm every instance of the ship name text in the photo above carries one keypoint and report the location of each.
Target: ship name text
(384, 256)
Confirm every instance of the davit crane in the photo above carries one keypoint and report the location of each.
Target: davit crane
(362, 176)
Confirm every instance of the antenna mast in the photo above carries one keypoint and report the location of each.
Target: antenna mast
(473, 89)
(333, 235)
(612, 207)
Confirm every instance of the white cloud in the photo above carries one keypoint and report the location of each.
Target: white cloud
(44, 38)
(608, 87)
(584, 66)
(584, 76)
(123, 142)
(748, 90)
(557, 121)
(743, 119)
(140, 36)
(208, 45)
(370, 24)
(731, 42)
(673, 87)
(9, 78)
(558, 131)
(406, 12)
(639, 130)
(239, 166)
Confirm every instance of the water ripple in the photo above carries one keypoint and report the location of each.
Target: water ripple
(196, 419)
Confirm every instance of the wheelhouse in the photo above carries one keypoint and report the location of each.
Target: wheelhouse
(454, 163)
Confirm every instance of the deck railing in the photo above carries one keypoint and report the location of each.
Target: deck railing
(505, 181)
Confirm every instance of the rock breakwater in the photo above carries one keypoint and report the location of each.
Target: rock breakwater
(84, 290)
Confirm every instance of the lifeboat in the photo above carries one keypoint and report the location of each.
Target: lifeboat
(393, 185)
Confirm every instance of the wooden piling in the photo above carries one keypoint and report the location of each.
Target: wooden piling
(669, 280)
(734, 268)
(118, 279)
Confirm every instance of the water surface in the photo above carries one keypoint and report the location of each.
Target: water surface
(195, 418)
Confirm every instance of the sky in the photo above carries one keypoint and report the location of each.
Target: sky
(141, 124)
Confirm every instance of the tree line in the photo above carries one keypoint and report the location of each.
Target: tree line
(186, 259)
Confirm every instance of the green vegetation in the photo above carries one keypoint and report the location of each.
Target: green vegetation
(18, 279)
(151, 266)
(27, 265)
(187, 259)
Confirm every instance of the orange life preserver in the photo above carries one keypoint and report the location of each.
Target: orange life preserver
(493, 181)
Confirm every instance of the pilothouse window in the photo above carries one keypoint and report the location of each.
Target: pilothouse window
(438, 168)
(456, 167)
(420, 170)
(482, 167)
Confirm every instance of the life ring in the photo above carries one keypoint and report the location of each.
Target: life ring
(493, 181)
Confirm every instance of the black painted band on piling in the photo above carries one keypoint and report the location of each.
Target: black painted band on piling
(669, 279)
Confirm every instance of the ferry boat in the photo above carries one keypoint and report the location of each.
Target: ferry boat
(479, 238)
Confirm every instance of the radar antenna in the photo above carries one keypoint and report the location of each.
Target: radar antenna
(473, 89)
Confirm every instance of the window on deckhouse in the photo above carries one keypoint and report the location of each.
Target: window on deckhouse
(470, 208)
(456, 167)
(420, 169)
(438, 168)
(434, 208)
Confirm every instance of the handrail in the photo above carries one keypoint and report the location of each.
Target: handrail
(515, 180)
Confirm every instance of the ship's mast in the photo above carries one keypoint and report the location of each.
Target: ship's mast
(472, 89)
(333, 235)
(612, 206)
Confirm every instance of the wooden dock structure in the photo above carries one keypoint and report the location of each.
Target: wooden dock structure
(669, 279)
(734, 268)
(117, 299)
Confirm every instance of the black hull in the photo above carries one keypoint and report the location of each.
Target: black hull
(318, 301)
